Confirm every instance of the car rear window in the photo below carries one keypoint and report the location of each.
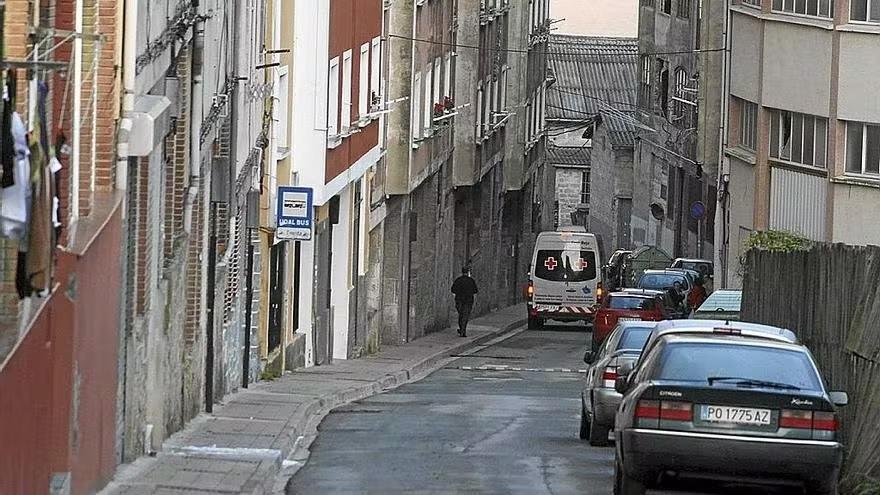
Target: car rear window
(696, 362)
(638, 303)
(658, 281)
(702, 268)
(634, 338)
(723, 301)
(565, 266)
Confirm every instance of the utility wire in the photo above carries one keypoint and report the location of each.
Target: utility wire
(458, 46)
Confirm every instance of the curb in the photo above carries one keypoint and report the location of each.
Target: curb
(297, 454)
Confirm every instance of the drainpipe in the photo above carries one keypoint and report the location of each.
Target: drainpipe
(129, 58)
(722, 213)
(77, 110)
(195, 119)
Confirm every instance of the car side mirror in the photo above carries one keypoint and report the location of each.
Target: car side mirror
(625, 369)
(589, 357)
(839, 399)
(621, 385)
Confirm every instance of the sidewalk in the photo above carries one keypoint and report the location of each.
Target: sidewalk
(244, 446)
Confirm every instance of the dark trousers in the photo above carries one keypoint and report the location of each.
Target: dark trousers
(464, 314)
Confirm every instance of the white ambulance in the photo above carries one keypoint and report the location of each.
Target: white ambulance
(565, 280)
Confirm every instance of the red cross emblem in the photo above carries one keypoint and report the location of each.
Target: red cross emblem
(582, 264)
(551, 263)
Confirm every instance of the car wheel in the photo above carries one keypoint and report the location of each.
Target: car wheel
(534, 323)
(624, 485)
(585, 425)
(598, 433)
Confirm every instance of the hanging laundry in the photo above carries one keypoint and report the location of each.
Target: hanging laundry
(41, 242)
(7, 148)
(15, 200)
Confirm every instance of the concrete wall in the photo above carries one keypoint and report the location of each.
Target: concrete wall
(742, 200)
(797, 53)
(568, 194)
(857, 96)
(854, 221)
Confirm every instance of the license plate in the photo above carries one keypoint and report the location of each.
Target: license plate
(629, 319)
(735, 415)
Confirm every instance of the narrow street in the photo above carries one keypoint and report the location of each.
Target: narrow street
(470, 430)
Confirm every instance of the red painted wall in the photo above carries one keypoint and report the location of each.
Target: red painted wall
(352, 23)
(58, 388)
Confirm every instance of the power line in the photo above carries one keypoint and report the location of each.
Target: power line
(458, 46)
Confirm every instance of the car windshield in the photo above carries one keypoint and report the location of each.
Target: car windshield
(698, 362)
(634, 338)
(638, 303)
(723, 301)
(661, 281)
(565, 266)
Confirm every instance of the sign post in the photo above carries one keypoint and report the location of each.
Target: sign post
(295, 213)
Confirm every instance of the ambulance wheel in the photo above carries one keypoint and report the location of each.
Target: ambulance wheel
(535, 323)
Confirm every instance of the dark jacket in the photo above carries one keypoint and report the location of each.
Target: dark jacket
(464, 289)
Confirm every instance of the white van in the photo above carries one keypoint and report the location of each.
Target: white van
(564, 277)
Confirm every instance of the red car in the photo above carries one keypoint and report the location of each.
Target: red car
(623, 306)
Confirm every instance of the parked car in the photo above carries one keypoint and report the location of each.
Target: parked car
(613, 271)
(718, 327)
(665, 279)
(673, 312)
(721, 305)
(706, 268)
(624, 306)
(734, 407)
(599, 399)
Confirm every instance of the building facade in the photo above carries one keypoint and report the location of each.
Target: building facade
(592, 134)
(804, 157)
(679, 114)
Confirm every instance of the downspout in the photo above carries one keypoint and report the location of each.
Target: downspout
(722, 215)
(77, 110)
(195, 121)
(129, 57)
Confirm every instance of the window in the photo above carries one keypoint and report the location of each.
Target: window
(753, 3)
(281, 110)
(333, 99)
(679, 106)
(346, 92)
(585, 187)
(429, 105)
(447, 77)
(667, 6)
(479, 111)
(684, 9)
(437, 96)
(487, 104)
(663, 86)
(748, 125)
(364, 81)
(645, 92)
(417, 106)
(813, 8)
(864, 10)
(503, 93)
(375, 70)
(862, 148)
(798, 138)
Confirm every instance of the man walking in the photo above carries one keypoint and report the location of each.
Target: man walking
(464, 289)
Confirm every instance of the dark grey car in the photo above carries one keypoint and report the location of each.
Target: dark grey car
(729, 407)
(599, 400)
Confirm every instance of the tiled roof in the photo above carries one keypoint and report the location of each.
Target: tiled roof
(572, 156)
(594, 75)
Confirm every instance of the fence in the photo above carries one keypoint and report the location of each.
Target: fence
(829, 296)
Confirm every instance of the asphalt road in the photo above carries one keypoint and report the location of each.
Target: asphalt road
(470, 430)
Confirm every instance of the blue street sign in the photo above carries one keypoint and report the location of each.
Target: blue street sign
(295, 213)
(698, 210)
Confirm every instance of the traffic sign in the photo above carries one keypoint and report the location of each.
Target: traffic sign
(295, 213)
(698, 210)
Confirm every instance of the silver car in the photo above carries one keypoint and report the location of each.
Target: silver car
(599, 400)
